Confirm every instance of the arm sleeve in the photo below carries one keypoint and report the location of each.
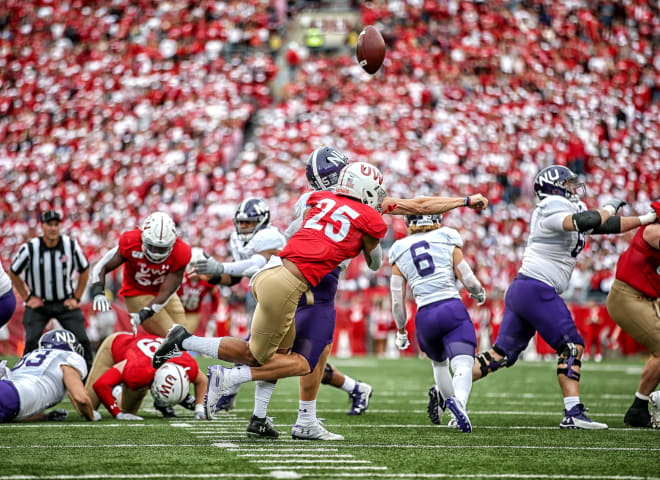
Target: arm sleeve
(103, 388)
(554, 222)
(239, 269)
(20, 260)
(470, 280)
(96, 271)
(611, 225)
(398, 308)
(376, 257)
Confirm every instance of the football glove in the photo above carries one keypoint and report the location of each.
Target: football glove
(139, 317)
(127, 416)
(615, 204)
(58, 415)
(647, 218)
(97, 416)
(480, 297)
(208, 266)
(200, 414)
(402, 341)
(188, 403)
(100, 302)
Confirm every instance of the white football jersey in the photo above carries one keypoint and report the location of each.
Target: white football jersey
(39, 379)
(426, 260)
(5, 281)
(551, 253)
(268, 238)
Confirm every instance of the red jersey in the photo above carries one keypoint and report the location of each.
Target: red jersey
(332, 232)
(639, 266)
(138, 353)
(142, 277)
(193, 290)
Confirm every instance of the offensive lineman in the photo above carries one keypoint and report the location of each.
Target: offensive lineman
(42, 377)
(532, 303)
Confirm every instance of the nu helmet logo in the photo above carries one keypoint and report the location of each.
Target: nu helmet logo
(551, 176)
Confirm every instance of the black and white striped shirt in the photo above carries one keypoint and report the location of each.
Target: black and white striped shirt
(48, 272)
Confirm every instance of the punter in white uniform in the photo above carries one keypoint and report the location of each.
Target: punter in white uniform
(41, 378)
(430, 259)
(557, 235)
(7, 298)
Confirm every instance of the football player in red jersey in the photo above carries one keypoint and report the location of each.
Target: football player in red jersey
(634, 304)
(126, 359)
(338, 226)
(154, 263)
(192, 291)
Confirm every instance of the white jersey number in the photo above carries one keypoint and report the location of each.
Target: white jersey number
(339, 216)
(149, 346)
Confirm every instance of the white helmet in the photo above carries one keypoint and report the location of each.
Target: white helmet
(170, 385)
(363, 182)
(158, 237)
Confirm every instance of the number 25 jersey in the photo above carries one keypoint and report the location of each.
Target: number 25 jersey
(331, 232)
(142, 277)
(426, 260)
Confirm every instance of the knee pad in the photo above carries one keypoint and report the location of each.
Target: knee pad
(568, 353)
(487, 364)
(327, 374)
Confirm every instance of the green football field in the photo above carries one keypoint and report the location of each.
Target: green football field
(515, 415)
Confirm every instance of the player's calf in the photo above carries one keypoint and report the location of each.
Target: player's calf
(569, 362)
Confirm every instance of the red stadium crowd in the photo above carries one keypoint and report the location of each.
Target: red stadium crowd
(111, 111)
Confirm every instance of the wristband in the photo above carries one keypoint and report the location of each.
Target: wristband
(467, 202)
(98, 289)
(30, 295)
(77, 299)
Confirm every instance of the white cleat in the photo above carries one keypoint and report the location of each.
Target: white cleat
(218, 385)
(313, 431)
(654, 401)
(576, 419)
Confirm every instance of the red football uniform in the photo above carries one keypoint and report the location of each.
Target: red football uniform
(639, 266)
(137, 372)
(138, 353)
(193, 290)
(331, 233)
(142, 277)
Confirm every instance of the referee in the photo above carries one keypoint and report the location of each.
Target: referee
(47, 264)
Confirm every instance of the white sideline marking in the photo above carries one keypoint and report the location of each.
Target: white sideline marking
(285, 473)
(157, 445)
(287, 455)
(557, 413)
(85, 425)
(529, 447)
(334, 462)
(283, 449)
(310, 467)
(224, 445)
(182, 425)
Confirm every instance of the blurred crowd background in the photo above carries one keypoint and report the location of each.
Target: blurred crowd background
(110, 110)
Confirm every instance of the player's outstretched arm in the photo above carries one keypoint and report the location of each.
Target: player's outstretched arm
(431, 205)
(76, 389)
(111, 260)
(170, 285)
(200, 383)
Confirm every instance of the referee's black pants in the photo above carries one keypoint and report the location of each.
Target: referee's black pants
(35, 320)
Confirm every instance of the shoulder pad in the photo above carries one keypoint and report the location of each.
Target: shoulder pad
(395, 252)
(453, 236)
(556, 204)
(268, 239)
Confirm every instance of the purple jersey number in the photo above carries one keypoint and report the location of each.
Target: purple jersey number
(33, 359)
(423, 261)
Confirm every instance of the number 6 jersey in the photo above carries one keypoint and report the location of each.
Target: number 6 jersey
(39, 379)
(426, 260)
(331, 232)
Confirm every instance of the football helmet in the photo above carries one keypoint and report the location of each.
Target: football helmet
(61, 339)
(158, 237)
(363, 182)
(423, 220)
(558, 180)
(255, 211)
(323, 167)
(170, 385)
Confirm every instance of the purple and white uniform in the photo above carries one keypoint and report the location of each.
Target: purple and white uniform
(315, 324)
(443, 325)
(36, 383)
(7, 298)
(532, 302)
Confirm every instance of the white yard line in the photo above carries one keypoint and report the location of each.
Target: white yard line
(334, 462)
(354, 474)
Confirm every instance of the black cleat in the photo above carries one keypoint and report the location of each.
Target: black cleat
(436, 406)
(167, 411)
(261, 428)
(171, 347)
(638, 417)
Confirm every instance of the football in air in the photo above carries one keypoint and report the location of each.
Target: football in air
(370, 49)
